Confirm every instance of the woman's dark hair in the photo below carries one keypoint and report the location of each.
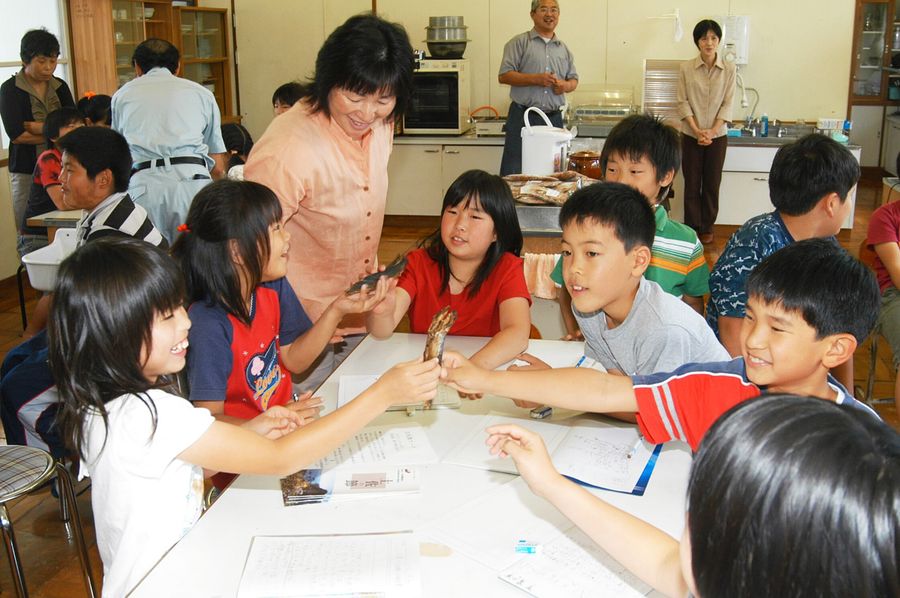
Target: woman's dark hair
(623, 209)
(154, 52)
(97, 108)
(238, 142)
(226, 216)
(496, 200)
(796, 496)
(38, 42)
(832, 291)
(703, 27)
(58, 119)
(364, 55)
(288, 93)
(99, 148)
(107, 296)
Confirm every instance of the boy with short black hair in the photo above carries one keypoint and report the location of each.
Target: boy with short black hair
(810, 305)
(631, 326)
(809, 184)
(645, 153)
(96, 169)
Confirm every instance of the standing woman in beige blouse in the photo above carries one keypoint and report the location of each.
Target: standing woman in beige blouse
(705, 92)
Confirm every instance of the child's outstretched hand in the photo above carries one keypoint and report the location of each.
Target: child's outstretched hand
(274, 422)
(462, 374)
(528, 451)
(307, 407)
(409, 382)
(367, 298)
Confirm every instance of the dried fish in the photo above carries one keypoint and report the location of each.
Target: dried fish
(392, 270)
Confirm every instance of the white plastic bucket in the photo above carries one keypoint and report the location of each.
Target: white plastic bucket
(544, 148)
(43, 264)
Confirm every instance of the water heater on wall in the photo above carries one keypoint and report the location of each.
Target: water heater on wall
(735, 44)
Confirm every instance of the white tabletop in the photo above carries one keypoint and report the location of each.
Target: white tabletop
(209, 560)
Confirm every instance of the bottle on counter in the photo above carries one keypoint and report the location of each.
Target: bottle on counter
(764, 126)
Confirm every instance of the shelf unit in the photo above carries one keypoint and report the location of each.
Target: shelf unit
(876, 42)
(105, 33)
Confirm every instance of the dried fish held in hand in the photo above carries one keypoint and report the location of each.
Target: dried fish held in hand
(437, 332)
(392, 270)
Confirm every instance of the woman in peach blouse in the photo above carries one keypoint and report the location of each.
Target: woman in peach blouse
(326, 159)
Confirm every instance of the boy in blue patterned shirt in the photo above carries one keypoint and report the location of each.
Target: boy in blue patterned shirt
(809, 184)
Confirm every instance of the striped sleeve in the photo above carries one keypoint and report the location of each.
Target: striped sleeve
(683, 407)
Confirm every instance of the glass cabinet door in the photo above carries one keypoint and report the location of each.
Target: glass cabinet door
(128, 31)
(871, 50)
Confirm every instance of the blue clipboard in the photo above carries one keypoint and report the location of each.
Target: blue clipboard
(641, 484)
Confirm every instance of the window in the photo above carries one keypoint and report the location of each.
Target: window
(18, 17)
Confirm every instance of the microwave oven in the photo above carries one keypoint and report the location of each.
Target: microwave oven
(440, 98)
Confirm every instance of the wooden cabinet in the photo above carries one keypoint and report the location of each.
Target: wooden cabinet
(420, 174)
(106, 32)
(866, 132)
(872, 38)
(891, 146)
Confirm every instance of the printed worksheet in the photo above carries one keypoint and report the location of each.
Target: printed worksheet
(341, 565)
(597, 453)
(313, 486)
(381, 445)
(573, 566)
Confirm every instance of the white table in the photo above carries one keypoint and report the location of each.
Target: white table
(209, 560)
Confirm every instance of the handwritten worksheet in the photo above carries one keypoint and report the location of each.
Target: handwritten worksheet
(380, 445)
(341, 565)
(597, 453)
(573, 566)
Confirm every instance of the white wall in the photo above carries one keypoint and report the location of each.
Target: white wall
(9, 258)
(799, 50)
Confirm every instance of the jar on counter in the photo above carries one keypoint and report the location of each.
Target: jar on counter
(586, 162)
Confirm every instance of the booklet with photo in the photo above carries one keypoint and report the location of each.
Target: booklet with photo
(311, 486)
(600, 454)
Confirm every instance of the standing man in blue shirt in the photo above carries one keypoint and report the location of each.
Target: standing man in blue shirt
(540, 69)
(173, 128)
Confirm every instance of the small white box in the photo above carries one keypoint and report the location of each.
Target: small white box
(43, 264)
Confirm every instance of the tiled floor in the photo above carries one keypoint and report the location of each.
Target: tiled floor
(51, 564)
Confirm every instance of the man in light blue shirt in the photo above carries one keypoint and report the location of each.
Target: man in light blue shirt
(173, 128)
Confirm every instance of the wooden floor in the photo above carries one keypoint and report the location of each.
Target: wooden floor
(50, 561)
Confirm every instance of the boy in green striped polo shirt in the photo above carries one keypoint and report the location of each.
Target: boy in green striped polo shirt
(645, 153)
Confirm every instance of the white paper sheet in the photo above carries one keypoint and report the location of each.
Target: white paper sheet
(573, 566)
(601, 454)
(488, 528)
(382, 445)
(346, 565)
(473, 452)
(314, 486)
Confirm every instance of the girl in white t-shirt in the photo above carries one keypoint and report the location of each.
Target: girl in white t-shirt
(118, 328)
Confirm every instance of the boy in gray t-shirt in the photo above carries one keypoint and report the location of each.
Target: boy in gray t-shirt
(629, 324)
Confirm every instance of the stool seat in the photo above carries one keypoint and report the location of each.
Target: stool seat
(22, 469)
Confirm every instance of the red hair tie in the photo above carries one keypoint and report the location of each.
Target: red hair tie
(183, 228)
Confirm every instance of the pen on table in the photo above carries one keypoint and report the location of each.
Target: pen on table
(580, 361)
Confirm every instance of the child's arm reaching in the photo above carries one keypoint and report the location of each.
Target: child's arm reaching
(300, 354)
(515, 327)
(646, 551)
(581, 389)
(224, 447)
(384, 317)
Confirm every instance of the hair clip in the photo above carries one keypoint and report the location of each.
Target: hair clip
(90, 94)
(183, 228)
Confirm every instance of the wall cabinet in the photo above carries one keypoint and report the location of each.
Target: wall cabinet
(106, 32)
(420, 174)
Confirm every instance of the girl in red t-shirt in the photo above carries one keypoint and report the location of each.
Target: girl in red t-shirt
(472, 264)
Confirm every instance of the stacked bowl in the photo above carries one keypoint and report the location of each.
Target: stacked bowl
(446, 37)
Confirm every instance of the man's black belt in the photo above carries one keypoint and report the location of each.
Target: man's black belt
(162, 161)
(547, 112)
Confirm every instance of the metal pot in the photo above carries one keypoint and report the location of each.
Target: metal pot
(445, 34)
(445, 22)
